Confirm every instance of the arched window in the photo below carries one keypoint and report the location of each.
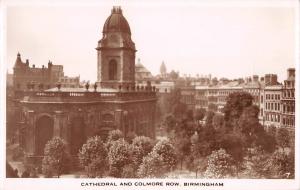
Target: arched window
(112, 69)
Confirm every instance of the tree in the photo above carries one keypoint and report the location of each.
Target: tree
(283, 164)
(209, 118)
(220, 165)
(218, 121)
(248, 121)
(141, 146)
(113, 135)
(151, 166)
(257, 163)
(167, 151)
(179, 110)
(283, 138)
(93, 157)
(170, 122)
(199, 114)
(118, 157)
(235, 104)
(56, 157)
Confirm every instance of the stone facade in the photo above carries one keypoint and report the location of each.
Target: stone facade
(78, 113)
(26, 77)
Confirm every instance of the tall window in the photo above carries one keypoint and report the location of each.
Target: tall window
(112, 69)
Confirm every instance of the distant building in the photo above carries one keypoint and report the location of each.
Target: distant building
(288, 100)
(141, 72)
(163, 70)
(30, 78)
(276, 102)
(69, 82)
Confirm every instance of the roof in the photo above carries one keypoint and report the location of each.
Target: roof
(91, 89)
(116, 22)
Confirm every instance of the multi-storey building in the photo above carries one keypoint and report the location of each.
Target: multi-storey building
(276, 102)
(69, 82)
(26, 77)
(288, 100)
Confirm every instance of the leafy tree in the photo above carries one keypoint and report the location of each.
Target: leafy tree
(235, 104)
(179, 110)
(118, 157)
(170, 122)
(152, 166)
(283, 138)
(283, 164)
(166, 150)
(233, 143)
(190, 115)
(93, 157)
(218, 121)
(113, 135)
(182, 146)
(56, 157)
(257, 164)
(141, 146)
(220, 165)
(199, 114)
(209, 118)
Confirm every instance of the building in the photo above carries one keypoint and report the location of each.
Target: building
(113, 102)
(142, 73)
(69, 82)
(276, 102)
(288, 100)
(26, 77)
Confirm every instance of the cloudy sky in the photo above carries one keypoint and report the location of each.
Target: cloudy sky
(235, 40)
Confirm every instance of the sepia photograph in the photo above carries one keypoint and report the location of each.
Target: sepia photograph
(146, 90)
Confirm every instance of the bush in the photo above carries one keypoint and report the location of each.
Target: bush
(93, 157)
(56, 158)
(118, 157)
(141, 146)
(151, 166)
(167, 152)
(220, 165)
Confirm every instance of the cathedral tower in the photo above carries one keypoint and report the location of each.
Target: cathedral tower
(116, 53)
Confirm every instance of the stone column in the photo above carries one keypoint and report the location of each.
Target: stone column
(30, 142)
(119, 119)
(57, 128)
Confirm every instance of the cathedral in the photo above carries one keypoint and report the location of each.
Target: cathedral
(74, 114)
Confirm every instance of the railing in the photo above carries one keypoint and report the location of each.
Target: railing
(84, 96)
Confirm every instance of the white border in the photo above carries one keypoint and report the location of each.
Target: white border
(74, 184)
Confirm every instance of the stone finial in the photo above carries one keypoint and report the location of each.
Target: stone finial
(87, 86)
(58, 86)
(95, 87)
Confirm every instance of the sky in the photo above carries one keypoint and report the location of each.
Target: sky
(225, 41)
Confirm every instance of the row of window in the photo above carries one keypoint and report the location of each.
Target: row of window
(288, 121)
(288, 108)
(273, 106)
(273, 117)
(289, 94)
(272, 96)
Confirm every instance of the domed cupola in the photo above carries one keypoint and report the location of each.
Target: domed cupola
(116, 53)
(116, 22)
